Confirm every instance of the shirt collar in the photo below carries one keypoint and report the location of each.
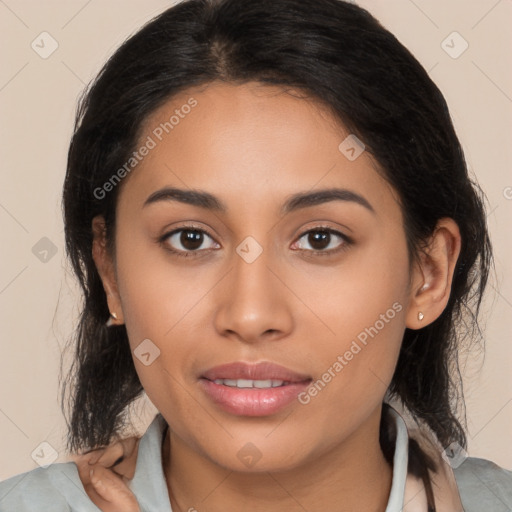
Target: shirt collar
(148, 483)
(150, 488)
(400, 460)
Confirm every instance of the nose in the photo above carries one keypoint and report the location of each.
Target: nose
(253, 303)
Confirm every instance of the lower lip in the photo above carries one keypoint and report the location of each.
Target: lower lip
(252, 401)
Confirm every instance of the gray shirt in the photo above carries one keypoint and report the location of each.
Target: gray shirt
(483, 486)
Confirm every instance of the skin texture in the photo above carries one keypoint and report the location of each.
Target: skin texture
(253, 146)
(103, 473)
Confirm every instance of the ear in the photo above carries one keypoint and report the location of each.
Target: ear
(106, 269)
(433, 274)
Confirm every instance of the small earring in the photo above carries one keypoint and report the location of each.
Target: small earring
(421, 316)
(110, 321)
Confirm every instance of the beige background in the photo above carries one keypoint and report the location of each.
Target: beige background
(38, 300)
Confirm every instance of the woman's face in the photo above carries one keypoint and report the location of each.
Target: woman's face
(265, 263)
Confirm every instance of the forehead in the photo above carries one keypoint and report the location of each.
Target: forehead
(249, 144)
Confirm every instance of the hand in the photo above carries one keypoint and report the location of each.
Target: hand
(104, 473)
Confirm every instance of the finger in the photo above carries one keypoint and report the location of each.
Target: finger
(83, 468)
(95, 455)
(126, 466)
(88, 455)
(111, 454)
(120, 456)
(92, 490)
(118, 451)
(113, 490)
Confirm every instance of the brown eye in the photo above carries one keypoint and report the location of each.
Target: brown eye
(319, 240)
(189, 240)
(322, 240)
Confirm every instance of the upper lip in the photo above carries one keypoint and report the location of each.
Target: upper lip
(254, 371)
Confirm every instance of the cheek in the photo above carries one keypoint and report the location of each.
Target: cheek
(352, 296)
(156, 298)
(156, 291)
(362, 306)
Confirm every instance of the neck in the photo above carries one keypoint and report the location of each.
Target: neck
(353, 475)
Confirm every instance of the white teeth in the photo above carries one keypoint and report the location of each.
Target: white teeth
(247, 383)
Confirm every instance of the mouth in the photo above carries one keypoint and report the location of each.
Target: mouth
(245, 389)
(248, 383)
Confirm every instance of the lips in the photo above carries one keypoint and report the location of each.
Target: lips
(258, 389)
(258, 371)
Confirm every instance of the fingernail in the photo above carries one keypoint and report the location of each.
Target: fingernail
(95, 458)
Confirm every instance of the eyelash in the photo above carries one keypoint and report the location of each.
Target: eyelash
(347, 241)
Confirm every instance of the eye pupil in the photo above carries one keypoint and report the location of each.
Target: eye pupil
(319, 239)
(191, 239)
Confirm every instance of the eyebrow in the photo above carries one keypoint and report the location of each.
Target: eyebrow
(295, 202)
